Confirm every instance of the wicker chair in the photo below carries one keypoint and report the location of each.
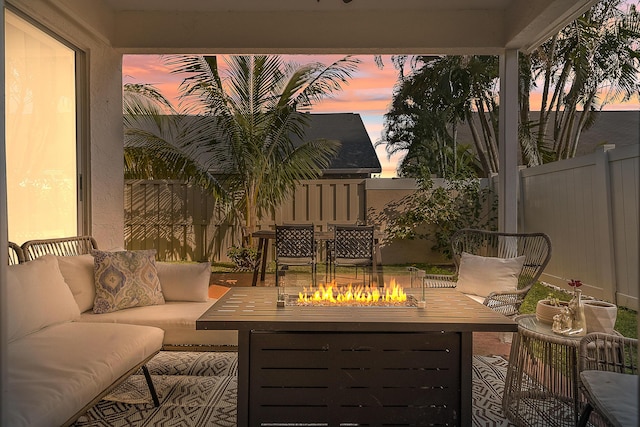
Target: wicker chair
(15, 254)
(536, 247)
(609, 378)
(295, 246)
(353, 247)
(65, 246)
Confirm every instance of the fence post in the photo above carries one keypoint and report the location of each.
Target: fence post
(604, 216)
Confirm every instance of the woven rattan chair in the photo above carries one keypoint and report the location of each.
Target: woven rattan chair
(64, 246)
(353, 247)
(609, 378)
(535, 247)
(15, 254)
(295, 246)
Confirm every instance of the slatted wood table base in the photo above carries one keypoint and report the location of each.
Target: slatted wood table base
(355, 379)
(343, 366)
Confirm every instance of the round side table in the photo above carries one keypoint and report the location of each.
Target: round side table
(541, 387)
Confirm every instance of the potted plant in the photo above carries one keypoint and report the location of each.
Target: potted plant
(245, 258)
(549, 307)
(600, 316)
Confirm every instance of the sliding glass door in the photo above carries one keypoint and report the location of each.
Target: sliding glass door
(42, 143)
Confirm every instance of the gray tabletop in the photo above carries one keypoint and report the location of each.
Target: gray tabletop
(446, 310)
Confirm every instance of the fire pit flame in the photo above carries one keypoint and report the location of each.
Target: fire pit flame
(332, 294)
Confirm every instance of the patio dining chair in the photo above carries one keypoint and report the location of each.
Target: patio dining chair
(609, 378)
(494, 268)
(295, 246)
(353, 246)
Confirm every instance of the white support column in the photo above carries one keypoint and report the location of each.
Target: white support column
(508, 143)
(4, 235)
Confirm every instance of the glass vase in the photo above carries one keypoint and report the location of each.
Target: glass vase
(576, 307)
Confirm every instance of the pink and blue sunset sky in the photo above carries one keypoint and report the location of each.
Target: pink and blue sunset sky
(368, 93)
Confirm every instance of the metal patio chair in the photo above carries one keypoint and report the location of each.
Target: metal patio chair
(295, 246)
(353, 246)
(535, 247)
(609, 378)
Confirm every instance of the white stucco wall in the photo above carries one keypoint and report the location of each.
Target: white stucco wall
(103, 127)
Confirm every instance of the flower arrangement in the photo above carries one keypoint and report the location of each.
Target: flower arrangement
(575, 284)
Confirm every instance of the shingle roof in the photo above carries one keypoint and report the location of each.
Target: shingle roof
(356, 155)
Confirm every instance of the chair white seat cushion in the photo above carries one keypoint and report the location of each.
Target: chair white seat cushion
(480, 275)
(614, 395)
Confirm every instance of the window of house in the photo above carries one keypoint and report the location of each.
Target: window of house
(42, 142)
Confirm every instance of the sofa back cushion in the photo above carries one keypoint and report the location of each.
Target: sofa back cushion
(37, 297)
(78, 273)
(184, 282)
(125, 279)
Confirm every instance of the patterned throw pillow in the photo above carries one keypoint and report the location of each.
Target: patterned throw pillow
(125, 279)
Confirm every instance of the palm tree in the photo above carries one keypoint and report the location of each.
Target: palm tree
(160, 144)
(590, 63)
(440, 95)
(241, 142)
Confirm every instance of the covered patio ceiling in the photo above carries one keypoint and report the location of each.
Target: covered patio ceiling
(497, 27)
(323, 26)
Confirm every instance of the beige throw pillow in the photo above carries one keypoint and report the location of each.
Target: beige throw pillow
(184, 282)
(78, 273)
(37, 297)
(125, 279)
(480, 275)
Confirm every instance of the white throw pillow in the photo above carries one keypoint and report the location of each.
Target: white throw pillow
(480, 275)
(184, 282)
(37, 297)
(78, 273)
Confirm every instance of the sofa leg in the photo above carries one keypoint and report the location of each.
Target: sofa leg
(152, 388)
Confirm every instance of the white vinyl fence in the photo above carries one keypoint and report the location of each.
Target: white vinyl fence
(589, 207)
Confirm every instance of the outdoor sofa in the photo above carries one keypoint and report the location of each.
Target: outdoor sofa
(62, 356)
(184, 288)
(58, 367)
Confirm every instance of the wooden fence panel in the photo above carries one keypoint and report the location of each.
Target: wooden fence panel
(589, 206)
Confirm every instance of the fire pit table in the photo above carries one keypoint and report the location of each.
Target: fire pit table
(353, 365)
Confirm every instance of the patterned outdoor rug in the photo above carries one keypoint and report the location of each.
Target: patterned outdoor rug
(199, 389)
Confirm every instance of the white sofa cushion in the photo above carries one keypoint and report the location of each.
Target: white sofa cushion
(78, 273)
(480, 275)
(184, 282)
(37, 297)
(56, 372)
(125, 279)
(177, 319)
